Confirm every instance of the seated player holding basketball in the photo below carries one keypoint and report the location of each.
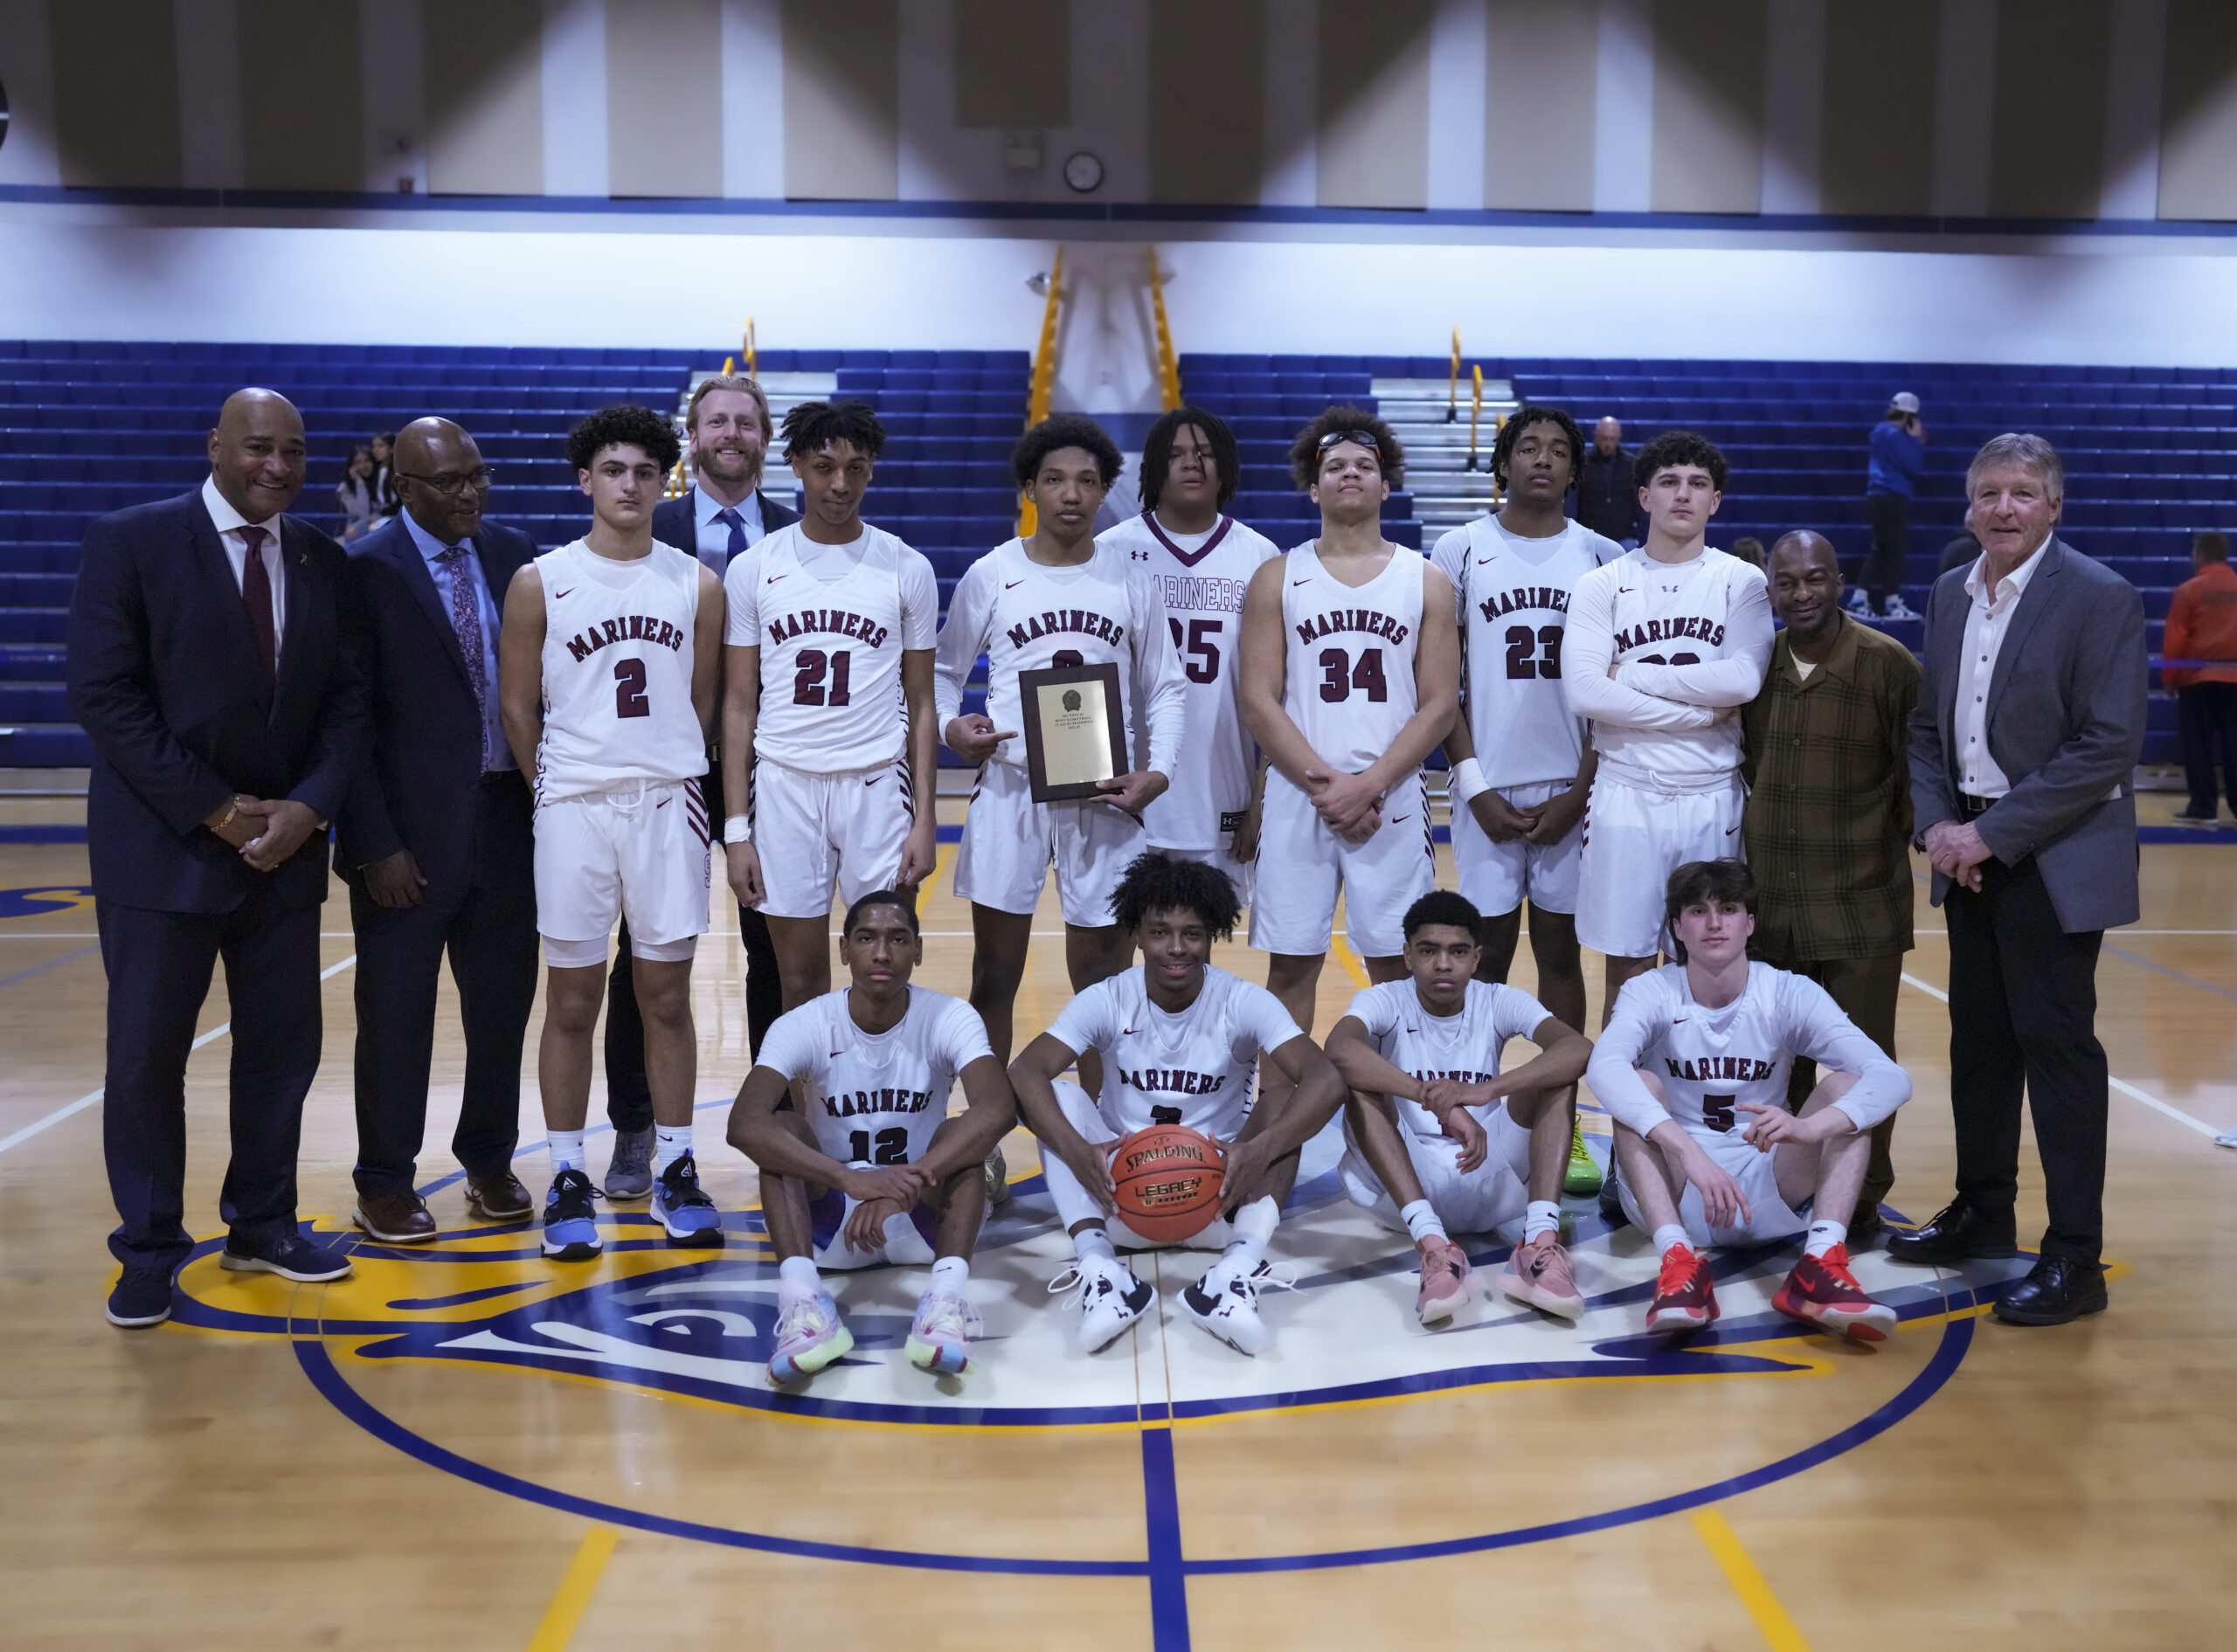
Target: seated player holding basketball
(874, 1170)
(1179, 1040)
(1693, 1065)
(1436, 1137)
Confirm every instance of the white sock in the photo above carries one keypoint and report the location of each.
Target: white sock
(1541, 1216)
(1669, 1238)
(566, 1147)
(951, 1273)
(1422, 1220)
(1090, 1244)
(1824, 1236)
(670, 1142)
(796, 1277)
(1254, 1225)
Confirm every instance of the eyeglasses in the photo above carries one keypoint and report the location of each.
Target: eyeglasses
(450, 484)
(1358, 437)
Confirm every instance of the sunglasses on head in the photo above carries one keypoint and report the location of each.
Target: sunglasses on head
(1359, 438)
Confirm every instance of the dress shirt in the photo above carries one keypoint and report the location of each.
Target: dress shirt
(714, 547)
(496, 753)
(229, 523)
(1986, 621)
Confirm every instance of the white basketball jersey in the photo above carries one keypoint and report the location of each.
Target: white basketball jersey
(1194, 1068)
(1201, 588)
(1349, 679)
(875, 1097)
(1465, 1046)
(617, 671)
(1514, 596)
(831, 693)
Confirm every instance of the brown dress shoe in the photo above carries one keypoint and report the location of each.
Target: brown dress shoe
(498, 1199)
(395, 1219)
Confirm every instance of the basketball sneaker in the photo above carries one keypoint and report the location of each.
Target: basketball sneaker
(629, 1174)
(1539, 1272)
(810, 1335)
(682, 1206)
(998, 1178)
(939, 1340)
(1821, 1291)
(1685, 1298)
(1582, 1177)
(1111, 1298)
(1445, 1280)
(1225, 1302)
(570, 1226)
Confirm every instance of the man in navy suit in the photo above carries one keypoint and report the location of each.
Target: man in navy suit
(724, 512)
(208, 663)
(436, 839)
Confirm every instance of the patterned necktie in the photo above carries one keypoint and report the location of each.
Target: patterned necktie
(256, 596)
(465, 620)
(729, 514)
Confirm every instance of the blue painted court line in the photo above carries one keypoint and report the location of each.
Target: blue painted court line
(51, 963)
(2120, 952)
(1162, 1512)
(42, 834)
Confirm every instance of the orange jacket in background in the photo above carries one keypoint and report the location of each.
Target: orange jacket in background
(2202, 625)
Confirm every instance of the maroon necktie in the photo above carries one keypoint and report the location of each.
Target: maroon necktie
(256, 595)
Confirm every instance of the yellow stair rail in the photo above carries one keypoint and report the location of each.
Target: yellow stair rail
(1168, 364)
(1475, 411)
(1044, 384)
(1452, 389)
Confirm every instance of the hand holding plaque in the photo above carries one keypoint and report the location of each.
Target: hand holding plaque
(1075, 735)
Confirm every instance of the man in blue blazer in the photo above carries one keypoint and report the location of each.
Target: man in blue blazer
(208, 663)
(436, 839)
(2023, 747)
(724, 512)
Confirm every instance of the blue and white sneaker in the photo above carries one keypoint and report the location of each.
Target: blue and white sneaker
(939, 1340)
(1225, 1302)
(569, 1225)
(682, 1206)
(810, 1336)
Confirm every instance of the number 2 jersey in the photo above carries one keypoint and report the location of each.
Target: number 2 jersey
(1514, 599)
(1026, 617)
(1196, 1066)
(617, 671)
(1709, 1062)
(875, 1097)
(1200, 579)
(1465, 1048)
(1348, 675)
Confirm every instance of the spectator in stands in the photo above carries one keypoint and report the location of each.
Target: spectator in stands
(353, 492)
(2202, 625)
(1828, 823)
(208, 662)
(1749, 548)
(387, 501)
(1961, 552)
(2026, 807)
(1607, 496)
(1898, 457)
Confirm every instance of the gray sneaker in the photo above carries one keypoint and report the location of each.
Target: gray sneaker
(998, 1178)
(629, 1173)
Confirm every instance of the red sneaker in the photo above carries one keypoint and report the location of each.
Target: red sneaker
(1684, 1299)
(1822, 1291)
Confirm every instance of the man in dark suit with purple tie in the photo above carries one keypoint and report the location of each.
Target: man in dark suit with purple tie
(437, 838)
(209, 664)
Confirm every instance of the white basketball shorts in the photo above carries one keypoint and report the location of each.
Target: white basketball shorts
(1073, 1202)
(1242, 873)
(816, 833)
(1009, 840)
(1296, 912)
(1633, 840)
(1496, 1192)
(1497, 877)
(1769, 1217)
(639, 852)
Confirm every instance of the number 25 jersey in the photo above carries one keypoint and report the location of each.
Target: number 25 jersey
(1349, 676)
(618, 656)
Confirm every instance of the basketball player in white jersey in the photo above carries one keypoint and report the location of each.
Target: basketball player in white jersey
(1521, 765)
(1346, 691)
(874, 1170)
(1200, 561)
(606, 678)
(829, 683)
(1436, 1137)
(1179, 1042)
(1055, 597)
(1694, 1065)
(1664, 645)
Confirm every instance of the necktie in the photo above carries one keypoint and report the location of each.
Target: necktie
(465, 620)
(256, 596)
(729, 514)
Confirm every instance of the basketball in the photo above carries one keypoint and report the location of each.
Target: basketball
(1168, 1181)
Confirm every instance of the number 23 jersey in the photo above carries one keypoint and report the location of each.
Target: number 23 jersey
(875, 1097)
(617, 657)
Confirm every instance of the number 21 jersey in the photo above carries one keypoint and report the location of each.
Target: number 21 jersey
(618, 656)
(1348, 682)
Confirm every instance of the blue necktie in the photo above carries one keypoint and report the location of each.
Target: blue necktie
(465, 620)
(729, 514)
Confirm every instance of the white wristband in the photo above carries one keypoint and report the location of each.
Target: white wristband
(738, 828)
(1466, 781)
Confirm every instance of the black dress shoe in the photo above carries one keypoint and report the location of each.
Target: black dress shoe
(498, 1199)
(2056, 1290)
(1955, 1234)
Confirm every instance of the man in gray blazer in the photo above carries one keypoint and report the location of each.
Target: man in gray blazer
(2023, 747)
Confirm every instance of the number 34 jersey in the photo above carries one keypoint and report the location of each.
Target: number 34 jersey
(1348, 677)
(875, 1097)
(617, 671)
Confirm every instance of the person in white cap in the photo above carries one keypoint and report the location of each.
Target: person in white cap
(1898, 460)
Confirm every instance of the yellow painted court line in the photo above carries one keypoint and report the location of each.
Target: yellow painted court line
(1349, 959)
(1779, 1630)
(575, 1591)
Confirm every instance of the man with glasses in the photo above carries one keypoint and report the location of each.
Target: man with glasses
(436, 839)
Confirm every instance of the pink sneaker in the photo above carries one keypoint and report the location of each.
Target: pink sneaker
(1539, 1273)
(1444, 1280)
(810, 1336)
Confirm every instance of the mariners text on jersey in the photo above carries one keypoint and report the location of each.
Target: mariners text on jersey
(1551, 599)
(630, 628)
(1367, 620)
(836, 621)
(1691, 625)
(856, 1102)
(1745, 1070)
(1204, 594)
(1172, 1081)
(1084, 621)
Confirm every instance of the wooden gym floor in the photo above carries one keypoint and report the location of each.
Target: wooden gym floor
(464, 1446)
